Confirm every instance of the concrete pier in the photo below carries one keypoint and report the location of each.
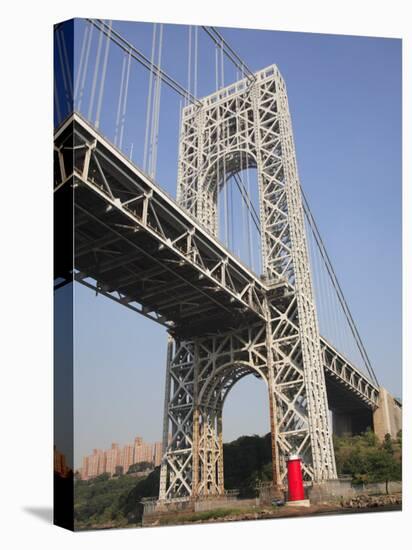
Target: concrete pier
(387, 418)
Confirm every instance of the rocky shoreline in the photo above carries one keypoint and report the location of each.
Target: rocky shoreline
(372, 501)
(361, 503)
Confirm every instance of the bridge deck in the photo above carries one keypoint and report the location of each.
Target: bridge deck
(136, 245)
(142, 249)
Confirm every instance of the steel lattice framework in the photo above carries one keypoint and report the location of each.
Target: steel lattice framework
(120, 234)
(248, 124)
(136, 246)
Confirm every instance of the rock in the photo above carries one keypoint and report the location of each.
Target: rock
(371, 501)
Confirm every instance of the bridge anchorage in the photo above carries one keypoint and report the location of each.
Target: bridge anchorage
(164, 260)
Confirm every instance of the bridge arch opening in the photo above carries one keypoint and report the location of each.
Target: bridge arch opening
(234, 186)
(247, 456)
(245, 431)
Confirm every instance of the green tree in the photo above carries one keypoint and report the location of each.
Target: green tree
(387, 444)
(102, 477)
(369, 438)
(382, 466)
(130, 505)
(140, 467)
(96, 502)
(246, 460)
(367, 460)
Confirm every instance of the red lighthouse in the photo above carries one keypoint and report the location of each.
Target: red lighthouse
(296, 492)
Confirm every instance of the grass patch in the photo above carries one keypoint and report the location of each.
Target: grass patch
(207, 515)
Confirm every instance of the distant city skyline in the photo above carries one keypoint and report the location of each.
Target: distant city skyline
(336, 91)
(108, 461)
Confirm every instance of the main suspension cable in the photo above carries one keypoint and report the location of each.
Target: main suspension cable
(143, 60)
(338, 289)
(228, 51)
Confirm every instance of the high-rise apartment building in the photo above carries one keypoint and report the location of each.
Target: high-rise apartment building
(127, 457)
(95, 466)
(118, 459)
(113, 456)
(144, 453)
(158, 453)
(85, 468)
(101, 468)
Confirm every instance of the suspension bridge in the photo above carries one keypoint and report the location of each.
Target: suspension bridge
(192, 264)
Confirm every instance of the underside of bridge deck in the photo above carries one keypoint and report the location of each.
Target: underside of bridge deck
(350, 413)
(136, 246)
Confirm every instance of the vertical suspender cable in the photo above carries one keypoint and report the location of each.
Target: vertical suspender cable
(159, 93)
(320, 305)
(225, 188)
(119, 102)
(63, 69)
(125, 94)
(81, 63)
(57, 102)
(347, 343)
(85, 67)
(225, 142)
(103, 77)
(180, 134)
(216, 69)
(96, 70)
(67, 64)
(336, 311)
(222, 67)
(189, 60)
(312, 265)
(153, 118)
(244, 226)
(196, 62)
(246, 198)
(327, 301)
(244, 205)
(251, 255)
(149, 102)
(219, 132)
(68, 69)
(332, 313)
(338, 291)
(232, 238)
(156, 108)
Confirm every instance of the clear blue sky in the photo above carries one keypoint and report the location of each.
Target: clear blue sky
(345, 101)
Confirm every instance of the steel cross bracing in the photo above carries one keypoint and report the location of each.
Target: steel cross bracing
(200, 374)
(140, 247)
(248, 125)
(135, 245)
(102, 264)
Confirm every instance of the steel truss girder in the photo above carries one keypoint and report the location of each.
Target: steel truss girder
(133, 206)
(338, 368)
(130, 205)
(334, 362)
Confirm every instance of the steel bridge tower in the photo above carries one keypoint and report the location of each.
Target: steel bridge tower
(247, 124)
